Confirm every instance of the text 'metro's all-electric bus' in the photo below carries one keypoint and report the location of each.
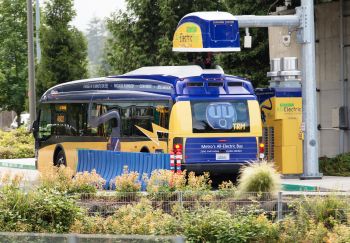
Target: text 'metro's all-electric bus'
(213, 118)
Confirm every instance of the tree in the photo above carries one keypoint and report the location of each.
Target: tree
(13, 55)
(250, 63)
(96, 38)
(64, 48)
(142, 36)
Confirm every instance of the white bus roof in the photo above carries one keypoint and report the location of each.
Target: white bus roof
(176, 71)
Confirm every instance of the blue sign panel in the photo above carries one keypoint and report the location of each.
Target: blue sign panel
(220, 150)
(207, 32)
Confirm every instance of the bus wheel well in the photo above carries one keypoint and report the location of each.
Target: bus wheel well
(144, 150)
(59, 152)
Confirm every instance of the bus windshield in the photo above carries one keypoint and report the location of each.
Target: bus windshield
(220, 116)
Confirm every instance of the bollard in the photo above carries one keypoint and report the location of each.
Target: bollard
(279, 206)
(172, 161)
(178, 162)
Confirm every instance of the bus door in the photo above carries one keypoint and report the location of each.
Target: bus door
(98, 115)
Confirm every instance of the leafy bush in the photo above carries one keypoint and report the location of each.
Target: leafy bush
(37, 211)
(340, 234)
(128, 181)
(337, 166)
(306, 230)
(260, 177)
(85, 182)
(166, 181)
(216, 225)
(52, 211)
(198, 183)
(63, 179)
(140, 218)
(58, 178)
(328, 210)
(17, 143)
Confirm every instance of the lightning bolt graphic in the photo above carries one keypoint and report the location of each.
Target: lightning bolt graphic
(153, 135)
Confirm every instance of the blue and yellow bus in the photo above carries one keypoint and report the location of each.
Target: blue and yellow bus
(212, 118)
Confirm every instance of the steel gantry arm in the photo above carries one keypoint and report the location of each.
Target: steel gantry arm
(303, 21)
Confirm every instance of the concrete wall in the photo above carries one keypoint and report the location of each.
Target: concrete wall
(327, 69)
(6, 118)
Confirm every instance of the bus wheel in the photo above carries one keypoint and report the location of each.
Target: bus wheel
(60, 159)
(144, 150)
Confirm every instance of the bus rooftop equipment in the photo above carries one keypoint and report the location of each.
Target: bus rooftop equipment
(207, 32)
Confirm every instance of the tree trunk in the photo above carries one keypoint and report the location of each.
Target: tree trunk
(18, 120)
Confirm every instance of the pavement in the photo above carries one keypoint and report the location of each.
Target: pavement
(25, 167)
(330, 183)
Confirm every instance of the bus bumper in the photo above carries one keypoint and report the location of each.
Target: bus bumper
(214, 168)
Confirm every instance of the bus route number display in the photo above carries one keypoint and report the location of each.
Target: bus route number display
(60, 118)
(239, 126)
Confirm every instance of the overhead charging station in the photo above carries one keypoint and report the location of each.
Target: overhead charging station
(289, 108)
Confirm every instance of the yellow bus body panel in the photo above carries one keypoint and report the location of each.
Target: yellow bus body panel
(45, 156)
(181, 123)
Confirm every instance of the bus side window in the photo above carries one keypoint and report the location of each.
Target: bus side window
(45, 124)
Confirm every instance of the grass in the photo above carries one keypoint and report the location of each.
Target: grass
(337, 166)
(259, 177)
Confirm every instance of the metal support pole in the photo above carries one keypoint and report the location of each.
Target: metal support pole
(279, 206)
(307, 38)
(37, 27)
(343, 84)
(245, 21)
(31, 74)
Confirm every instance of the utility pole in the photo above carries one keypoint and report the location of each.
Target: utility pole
(306, 36)
(37, 26)
(31, 70)
(303, 23)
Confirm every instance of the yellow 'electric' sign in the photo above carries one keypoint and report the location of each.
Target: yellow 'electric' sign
(188, 35)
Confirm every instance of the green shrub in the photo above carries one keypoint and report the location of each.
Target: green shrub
(42, 210)
(162, 181)
(198, 183)
(63, 180)
(340, 234)
(216, 225)
(128, 181)
(260, 177)
(293, 230)
(328, 210)
(17, 143)
(337, 166)
(52, 211)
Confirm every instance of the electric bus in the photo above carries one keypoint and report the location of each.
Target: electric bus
(212, 118)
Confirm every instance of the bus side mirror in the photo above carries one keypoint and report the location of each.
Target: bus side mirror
(35, 129)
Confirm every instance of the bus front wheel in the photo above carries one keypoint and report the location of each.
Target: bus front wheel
(60, 159)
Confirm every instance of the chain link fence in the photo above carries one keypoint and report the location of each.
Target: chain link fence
(277, 206)
(79, 238)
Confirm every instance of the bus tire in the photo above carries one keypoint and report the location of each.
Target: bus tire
(144, 150)
(60, 158)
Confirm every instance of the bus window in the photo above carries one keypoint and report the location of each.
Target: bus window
(45, 124)
(217, 117)
(141, 114)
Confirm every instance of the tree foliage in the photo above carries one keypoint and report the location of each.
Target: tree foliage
(96, 37)
(142, 36)
(13, 55)
(64, 49)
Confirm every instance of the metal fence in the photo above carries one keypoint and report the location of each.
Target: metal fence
(7, 237)
(276, 206)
